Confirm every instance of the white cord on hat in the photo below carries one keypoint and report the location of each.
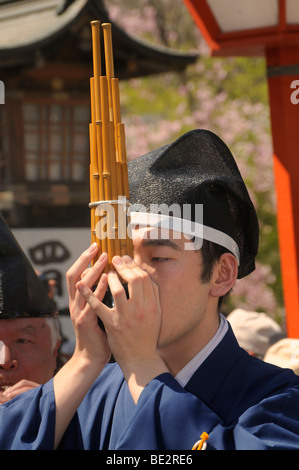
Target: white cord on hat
(187, 227)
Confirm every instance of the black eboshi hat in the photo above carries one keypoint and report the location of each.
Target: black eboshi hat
(198, 168)
(21, 292)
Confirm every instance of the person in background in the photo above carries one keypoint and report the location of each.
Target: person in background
(29, 354)
(255, 331)
(284, 353)
(29, 325)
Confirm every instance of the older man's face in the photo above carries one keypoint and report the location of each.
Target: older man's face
(28, 351)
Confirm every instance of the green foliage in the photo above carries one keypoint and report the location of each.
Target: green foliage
(246, 77)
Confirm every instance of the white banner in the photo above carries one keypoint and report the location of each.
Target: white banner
(2, 92)
(52, 251)
(2, 353)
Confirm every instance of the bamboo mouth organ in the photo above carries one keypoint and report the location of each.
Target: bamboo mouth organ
(109, 185)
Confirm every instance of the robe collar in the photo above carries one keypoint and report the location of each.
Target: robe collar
(230, 380)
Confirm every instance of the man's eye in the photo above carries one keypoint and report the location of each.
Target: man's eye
(157, 259)
(23, 341)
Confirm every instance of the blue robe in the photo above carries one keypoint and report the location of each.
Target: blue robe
(240, 401)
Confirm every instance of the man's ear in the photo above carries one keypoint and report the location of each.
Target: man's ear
(224, 275)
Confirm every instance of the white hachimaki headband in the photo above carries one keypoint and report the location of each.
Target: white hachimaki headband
(190, 228)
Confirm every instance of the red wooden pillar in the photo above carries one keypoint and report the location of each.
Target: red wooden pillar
(279, 40)
(283, 69)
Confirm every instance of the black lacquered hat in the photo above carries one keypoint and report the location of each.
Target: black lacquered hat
(21, 292)
(198, 169)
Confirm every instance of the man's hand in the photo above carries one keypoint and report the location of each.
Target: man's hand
(92, 352)
(91, 342)
(16, 389)
(133, 325)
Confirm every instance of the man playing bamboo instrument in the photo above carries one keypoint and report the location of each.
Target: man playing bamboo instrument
(180, 376)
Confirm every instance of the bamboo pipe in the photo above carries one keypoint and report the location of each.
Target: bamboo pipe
(97, 68)
(113, 245)
(108, 166)
(99, 157)
(107, 163)
(109, 63)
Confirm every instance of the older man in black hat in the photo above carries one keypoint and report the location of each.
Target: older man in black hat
(180, 379)
(29, 328)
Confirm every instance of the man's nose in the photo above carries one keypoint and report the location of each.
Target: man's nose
(10, 363)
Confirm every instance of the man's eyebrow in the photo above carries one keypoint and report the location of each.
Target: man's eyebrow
(28, 328)
(160, 242)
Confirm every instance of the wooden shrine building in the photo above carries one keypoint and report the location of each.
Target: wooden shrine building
(45, 65)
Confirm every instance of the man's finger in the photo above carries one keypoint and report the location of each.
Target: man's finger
(140, 284)
(93, 275)
(74, 273)
(92, 298)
